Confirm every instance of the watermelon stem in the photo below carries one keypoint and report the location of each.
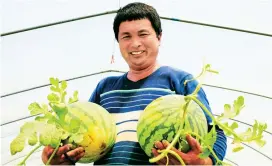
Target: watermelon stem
(214, 120)
(174, 154)
(29, 154)
(167, 150)
(188, 98)
(167, 159)
(53, 154)
(209, 114)
(203, 141)
(206, 68)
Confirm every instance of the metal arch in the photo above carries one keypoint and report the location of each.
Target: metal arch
(118, 71)
(115, 11)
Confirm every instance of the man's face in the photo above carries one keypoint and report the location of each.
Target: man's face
(139, 44)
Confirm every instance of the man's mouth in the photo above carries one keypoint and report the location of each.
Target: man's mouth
(136, 52)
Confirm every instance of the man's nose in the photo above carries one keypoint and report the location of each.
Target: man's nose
(136, 43)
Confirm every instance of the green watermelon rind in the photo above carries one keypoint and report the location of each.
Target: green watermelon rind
(151, 125)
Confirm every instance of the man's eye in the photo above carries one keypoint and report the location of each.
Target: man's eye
(143, 34)
(125, 37)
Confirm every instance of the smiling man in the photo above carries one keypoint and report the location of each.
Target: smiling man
(139, 46)
(137, 28)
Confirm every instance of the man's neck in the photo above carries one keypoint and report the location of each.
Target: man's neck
(136, 75)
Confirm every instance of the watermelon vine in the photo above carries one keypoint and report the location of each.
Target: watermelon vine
(66, 122)
(207, 141)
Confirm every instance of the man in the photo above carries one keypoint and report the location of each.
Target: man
(137, 28)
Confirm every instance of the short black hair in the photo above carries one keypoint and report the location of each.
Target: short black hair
(137, 11)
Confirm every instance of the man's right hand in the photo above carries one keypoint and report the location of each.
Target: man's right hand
(59, 158)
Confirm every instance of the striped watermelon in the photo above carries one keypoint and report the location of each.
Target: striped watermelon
(100, 129)
(161, 120)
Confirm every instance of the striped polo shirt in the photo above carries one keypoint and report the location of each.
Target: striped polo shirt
(126, 100)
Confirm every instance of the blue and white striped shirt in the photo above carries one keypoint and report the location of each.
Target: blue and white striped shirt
(126, 99)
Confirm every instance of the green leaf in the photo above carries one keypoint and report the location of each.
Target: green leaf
(45, 139)
(75, 95)
(74, 125)
(35, 108)
(18, 144)
(77, 138)
(27, 132)
(261, 128)
(247, 134)
(28, 128)
(205, 153)
(255, 128)
(63, 97)
(260, 142)
(229, 112)
(208, 66)
(64, 135)
(222, 163)
(53, 98)
(32, 140)
(238, 105)
(227, 108)
(240, 101)
(228, 133)
(50, 135)
(210, 138)
(234, 126)
(54, 89)
(63, 85)
(50, 127)
(237, 148)
(61, 110)
(41, 118)
(183, 145)
(45, 107)
(54, 81)
(52, 122)
(55, 141)
(74, 98)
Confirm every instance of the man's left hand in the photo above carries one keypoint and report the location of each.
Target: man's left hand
(189, 158)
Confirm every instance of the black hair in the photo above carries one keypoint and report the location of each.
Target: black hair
(137, 11)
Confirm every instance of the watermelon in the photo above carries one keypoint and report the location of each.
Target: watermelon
(100, 129)
(75, 122)
(162, 118)
(85, 124)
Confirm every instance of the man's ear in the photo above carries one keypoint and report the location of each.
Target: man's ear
(159, 36)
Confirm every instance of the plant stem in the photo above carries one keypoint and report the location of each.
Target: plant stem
(202, 73)
(190, 97)
(210, 149)
(164, 153)
(177, 156)
(174, 154)
(167, 159)
(213, 119)
(205, 69)
(53, 154)
(29, 154)
(223, 127)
